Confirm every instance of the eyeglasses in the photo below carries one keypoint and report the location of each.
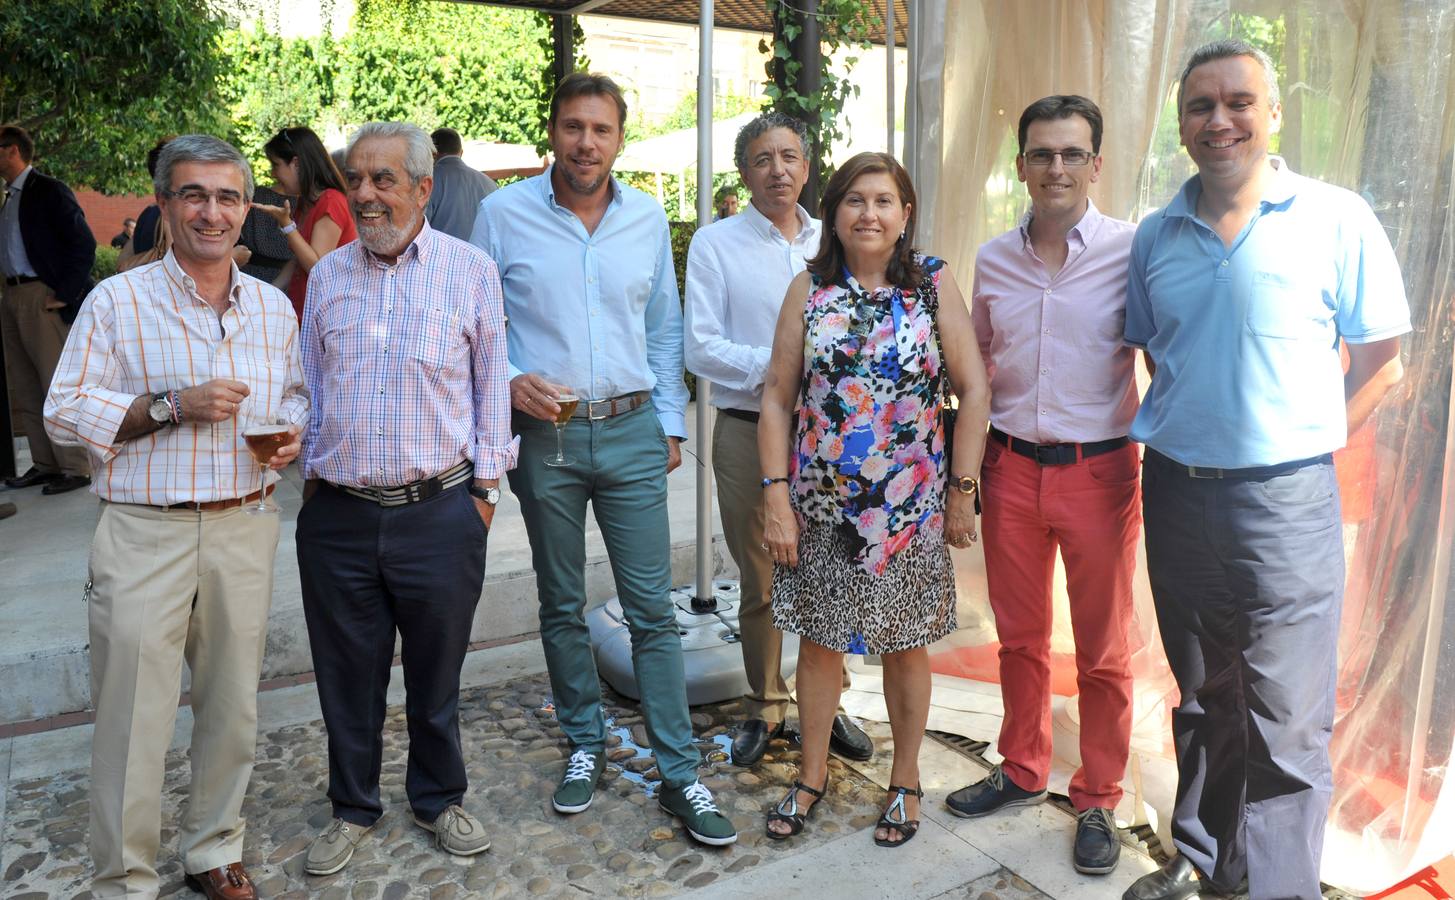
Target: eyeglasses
(1068, 157)
(198, 197)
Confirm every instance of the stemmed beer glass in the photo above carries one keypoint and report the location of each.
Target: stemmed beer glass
(264, 440)
(567, 399)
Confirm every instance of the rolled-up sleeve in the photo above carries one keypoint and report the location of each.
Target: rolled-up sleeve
(496, 449)
(80, 409)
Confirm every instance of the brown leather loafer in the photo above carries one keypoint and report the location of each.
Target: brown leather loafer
(230, 882)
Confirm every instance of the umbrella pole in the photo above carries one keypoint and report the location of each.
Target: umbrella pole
(703, 599)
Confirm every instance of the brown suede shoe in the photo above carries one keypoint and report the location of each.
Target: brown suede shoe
(230, 882)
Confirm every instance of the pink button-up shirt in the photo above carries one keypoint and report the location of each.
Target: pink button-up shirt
(1059, 371)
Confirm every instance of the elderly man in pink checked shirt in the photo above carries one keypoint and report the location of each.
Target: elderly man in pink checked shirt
(1049, 304)
(404, 345)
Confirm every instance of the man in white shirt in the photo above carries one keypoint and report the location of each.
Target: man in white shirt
(738, 270)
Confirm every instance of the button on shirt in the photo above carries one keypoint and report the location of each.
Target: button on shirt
(598, 312)
(407, 365)
(1246, 338)
(148, 331)
(1059, 371)
(738, 270)
(13, 259)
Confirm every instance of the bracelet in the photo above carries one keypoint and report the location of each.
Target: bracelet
(289, 228)
(771, 481)
(174, 400)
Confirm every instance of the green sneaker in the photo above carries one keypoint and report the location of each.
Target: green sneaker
(579, 783)
(694, 806)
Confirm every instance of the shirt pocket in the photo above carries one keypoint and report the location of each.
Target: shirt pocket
(437, 345)
(1281, 308)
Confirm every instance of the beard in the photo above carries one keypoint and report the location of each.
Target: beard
(385, 238)
(582, 187)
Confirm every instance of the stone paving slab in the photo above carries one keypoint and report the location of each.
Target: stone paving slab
(623, 846)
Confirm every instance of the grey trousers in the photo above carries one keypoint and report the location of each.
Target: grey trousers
(1247, 576)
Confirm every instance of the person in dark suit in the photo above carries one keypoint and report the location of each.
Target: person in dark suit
(46, 252)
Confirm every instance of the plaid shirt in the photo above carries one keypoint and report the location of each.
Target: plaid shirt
(407, 365)
(148, 331)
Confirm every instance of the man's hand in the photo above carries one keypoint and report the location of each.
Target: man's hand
(289, 451)
(241, 254)
(214, 401)
(535, 396)
(674, 453)
(486, 510)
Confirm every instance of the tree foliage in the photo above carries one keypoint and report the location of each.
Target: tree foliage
(96, 83)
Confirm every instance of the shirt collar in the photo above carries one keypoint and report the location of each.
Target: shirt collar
(1281, 188)
(764, 226)
(178, 274)
(548, 189)
(20, 180)
(1084, 229)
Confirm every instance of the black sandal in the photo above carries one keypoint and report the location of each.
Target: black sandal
(791, 815)
(905, 826)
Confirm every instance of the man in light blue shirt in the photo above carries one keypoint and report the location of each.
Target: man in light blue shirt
(595, 337)
(1242, 291)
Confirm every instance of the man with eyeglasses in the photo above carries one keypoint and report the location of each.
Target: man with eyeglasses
(1048, 305)
(46, 250)
(167, 365)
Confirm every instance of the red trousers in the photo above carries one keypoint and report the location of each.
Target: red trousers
(1091, 511)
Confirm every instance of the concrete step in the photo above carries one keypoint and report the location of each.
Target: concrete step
(44, 656)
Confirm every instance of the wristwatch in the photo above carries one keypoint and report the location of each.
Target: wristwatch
(160, 408)
(966, 484)
(490, 495)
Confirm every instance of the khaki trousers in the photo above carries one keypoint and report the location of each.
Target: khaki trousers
(740, 496)
(34, 337)
(169, 585)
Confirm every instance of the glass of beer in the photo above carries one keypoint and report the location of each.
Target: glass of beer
(264, 440)
(567, 401)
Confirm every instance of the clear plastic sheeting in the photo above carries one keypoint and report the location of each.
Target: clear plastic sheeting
(1369, 103)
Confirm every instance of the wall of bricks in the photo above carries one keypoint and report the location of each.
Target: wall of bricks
(104, 214)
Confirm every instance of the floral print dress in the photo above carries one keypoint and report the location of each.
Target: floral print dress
(867, 474)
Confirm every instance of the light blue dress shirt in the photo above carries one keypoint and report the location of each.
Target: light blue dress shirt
(13, 258)
(1246, 339)
(599, 312)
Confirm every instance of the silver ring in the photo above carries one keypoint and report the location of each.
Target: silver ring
(764, 546)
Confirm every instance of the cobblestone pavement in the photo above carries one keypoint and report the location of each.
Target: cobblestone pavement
(623, 846)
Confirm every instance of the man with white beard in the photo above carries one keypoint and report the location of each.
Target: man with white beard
(404, 343)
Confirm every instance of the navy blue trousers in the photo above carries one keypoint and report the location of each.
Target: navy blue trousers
(367, 572)
(1248, 579)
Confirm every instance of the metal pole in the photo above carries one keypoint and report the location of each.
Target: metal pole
(703, 599)
(889, 74)
(911, 95)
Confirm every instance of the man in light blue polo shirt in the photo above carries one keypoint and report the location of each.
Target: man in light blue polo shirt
(1242, 290)
(596, 336)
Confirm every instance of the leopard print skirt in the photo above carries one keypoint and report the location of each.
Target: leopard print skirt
(836, 604)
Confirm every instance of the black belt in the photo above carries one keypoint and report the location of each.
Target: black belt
(1056, 454)
(415, 491)
(595, 410)
(1251, 472)
(18, 280)
(747, 415)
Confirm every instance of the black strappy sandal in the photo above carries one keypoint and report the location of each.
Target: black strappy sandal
(787, 809)
(906, 827)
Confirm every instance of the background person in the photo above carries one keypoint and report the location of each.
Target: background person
(458, 189)
(128, 225)
(858, 515)
(303, 169)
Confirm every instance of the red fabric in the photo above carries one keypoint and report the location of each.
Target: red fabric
(1092, 511)
(330, 203)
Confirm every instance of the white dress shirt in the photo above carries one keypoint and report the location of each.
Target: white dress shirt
(738, 271)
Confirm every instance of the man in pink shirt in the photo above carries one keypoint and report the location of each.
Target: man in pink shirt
(1049, 304)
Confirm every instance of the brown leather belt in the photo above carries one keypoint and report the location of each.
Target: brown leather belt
(596, 410)
(745, 415)
(18, 280)
(215, 505)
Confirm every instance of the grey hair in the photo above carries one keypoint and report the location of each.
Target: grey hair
(761, 126)
(200, 148)
(418, 148)
(1226, 49)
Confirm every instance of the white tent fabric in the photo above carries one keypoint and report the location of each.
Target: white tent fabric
(676, 152)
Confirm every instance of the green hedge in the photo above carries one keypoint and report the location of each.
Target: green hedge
(105, 264)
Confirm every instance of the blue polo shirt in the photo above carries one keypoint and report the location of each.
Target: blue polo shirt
(1246, 339)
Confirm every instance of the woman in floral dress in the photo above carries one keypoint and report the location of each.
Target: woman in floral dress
(857, 509)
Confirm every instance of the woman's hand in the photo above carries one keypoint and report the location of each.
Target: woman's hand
(959, 519)
(281, 214)
(780, 528)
